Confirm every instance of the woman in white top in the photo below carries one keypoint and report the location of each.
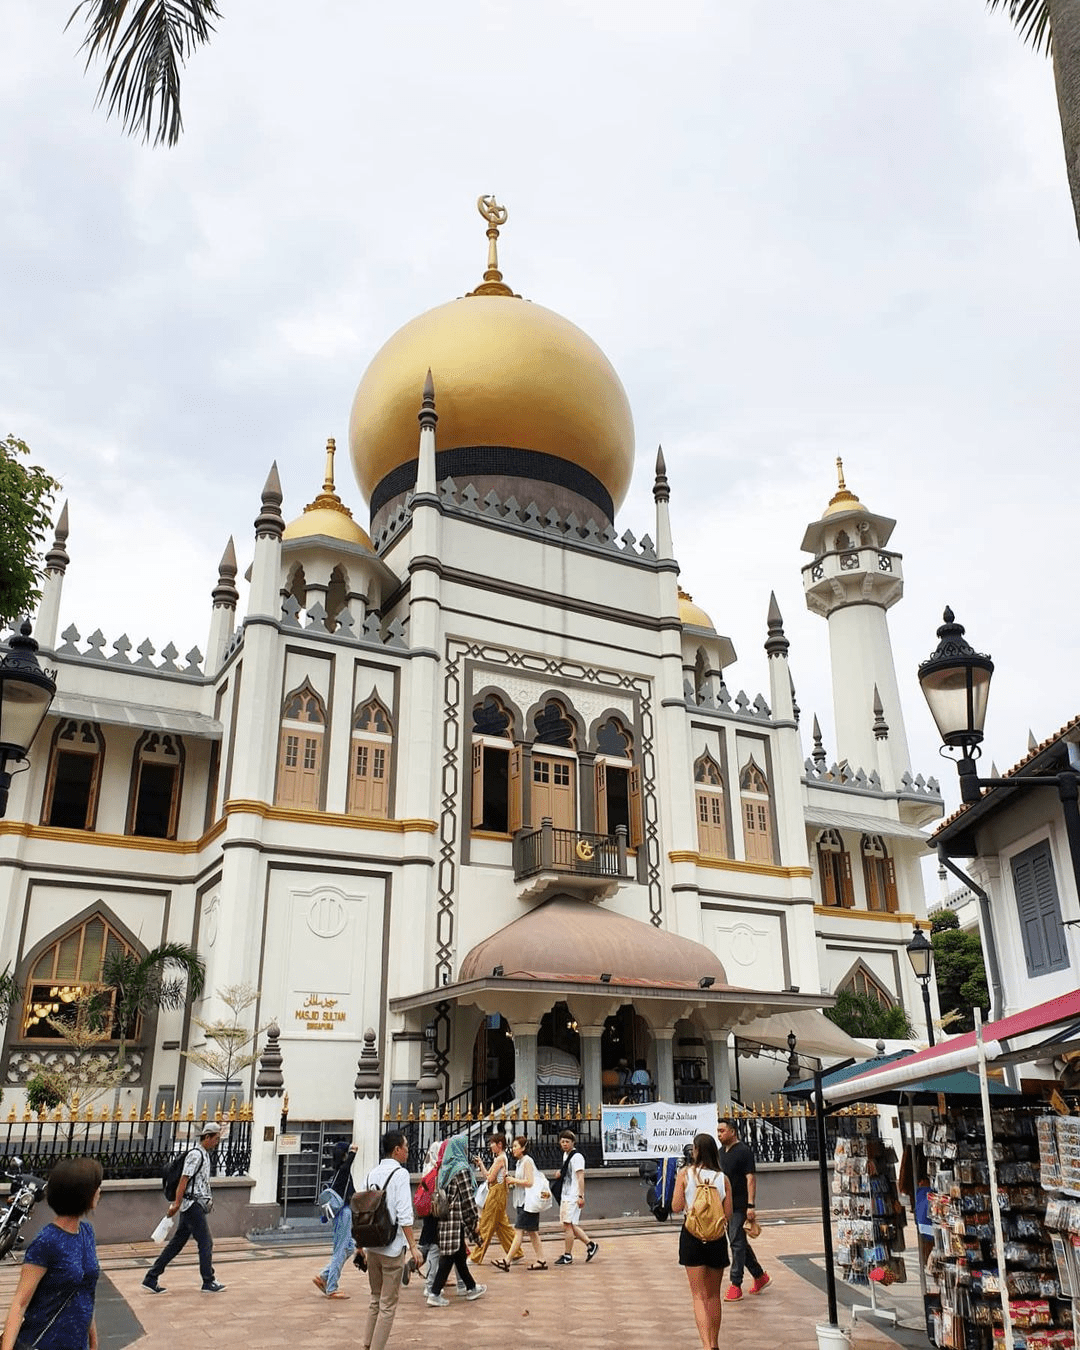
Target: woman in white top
(705, 1262)
(528, 1220)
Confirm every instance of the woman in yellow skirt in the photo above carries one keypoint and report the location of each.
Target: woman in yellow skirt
(493, 1220)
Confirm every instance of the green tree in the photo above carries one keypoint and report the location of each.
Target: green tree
(1053, 26)
(144, 42)
(867, 1017)
(26, 494)
(959, 970)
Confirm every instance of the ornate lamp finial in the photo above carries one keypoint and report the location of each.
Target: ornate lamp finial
(328, 481)
(495, 215)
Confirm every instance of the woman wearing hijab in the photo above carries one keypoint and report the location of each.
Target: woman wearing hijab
(462, 1220)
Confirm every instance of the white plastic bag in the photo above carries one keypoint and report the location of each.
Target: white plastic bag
(162, 1231)
(481, 1194)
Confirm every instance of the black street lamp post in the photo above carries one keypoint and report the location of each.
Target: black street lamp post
(955, 680)
(921, 955)
(26, 691)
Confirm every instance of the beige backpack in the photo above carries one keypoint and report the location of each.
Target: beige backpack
(706, 1220)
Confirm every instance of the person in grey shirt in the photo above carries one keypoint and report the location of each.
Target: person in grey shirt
(193, 1202)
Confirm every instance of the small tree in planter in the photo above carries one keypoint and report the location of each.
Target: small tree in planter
(230, 1047)
(46, 1090)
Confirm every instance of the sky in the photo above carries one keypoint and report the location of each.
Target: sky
(797, 231)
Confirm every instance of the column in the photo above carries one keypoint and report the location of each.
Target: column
(367, 1109)
(525, 1034)
(266, 1119)
(665, 1063)
(720, 1068)
(592, 1091)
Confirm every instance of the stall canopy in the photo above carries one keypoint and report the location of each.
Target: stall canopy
(1021, 1036)
(815, 1035)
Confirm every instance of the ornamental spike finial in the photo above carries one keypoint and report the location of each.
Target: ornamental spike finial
(495, 215)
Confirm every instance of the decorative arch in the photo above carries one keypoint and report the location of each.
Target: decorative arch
(611, 736)
(707, 771)
(553, 721)
(701, 674)
(370, 754)
(493, 715)
(71, 788)
(710, 807)
(300, 749)
(834, 870)
(860, 979)
(879, 875)
(296, 585)
(757, 813)
(337, 596)
(156, 779)
(555, 729)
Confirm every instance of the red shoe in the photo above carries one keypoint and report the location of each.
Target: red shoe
(733, 1294)
(760, 1283)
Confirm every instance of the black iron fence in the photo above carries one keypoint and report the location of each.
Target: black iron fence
(127, 1147)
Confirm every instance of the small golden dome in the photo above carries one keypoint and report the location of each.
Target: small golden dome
(843, 499)
(507, 374)
(327, 514)
(691, 615)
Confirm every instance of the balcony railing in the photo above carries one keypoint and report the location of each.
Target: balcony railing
(573, 852)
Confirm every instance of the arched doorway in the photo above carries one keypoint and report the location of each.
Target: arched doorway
(626, 1041)
(558, 1061)
(493, 1063)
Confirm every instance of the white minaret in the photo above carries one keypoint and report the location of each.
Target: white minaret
(853, 580)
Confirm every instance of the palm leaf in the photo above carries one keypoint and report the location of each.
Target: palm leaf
(1031, 18)
(142, 78)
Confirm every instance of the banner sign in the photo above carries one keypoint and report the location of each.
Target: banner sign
(653, 1129)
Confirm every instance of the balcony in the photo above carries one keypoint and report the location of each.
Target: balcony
(589, 865)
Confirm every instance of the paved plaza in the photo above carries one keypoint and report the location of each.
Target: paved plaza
(632, 1297)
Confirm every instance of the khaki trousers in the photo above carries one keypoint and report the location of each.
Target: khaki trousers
(384, 1277)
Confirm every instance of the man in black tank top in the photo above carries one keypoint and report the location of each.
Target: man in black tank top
(740, 1168)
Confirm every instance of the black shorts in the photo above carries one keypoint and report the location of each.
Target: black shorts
(694, 1252)
(526, 1222)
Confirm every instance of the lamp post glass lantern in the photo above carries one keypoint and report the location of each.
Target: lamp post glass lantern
(955, 680)
(26, 692)
(921, 955)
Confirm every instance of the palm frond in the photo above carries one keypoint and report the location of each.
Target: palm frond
(142, 78)
(1031, 19)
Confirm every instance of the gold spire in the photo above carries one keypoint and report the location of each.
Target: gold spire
(495, 215)
(328, 500)
(327, 514)
(328, 481)
(843, 499)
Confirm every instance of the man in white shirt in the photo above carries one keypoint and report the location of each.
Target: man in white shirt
(385, 1264)
(571, 1201)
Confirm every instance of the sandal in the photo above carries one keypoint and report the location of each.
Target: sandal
(501, 1265)
(537, 1265)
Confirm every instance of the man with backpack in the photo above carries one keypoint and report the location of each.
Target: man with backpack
(740, 1168)
(384, 1210)
(193, 1201)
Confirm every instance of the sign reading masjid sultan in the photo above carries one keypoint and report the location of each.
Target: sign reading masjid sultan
(319, 1013)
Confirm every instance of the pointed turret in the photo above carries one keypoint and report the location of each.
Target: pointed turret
(818, 753)
(427, 417)
(881, 727)
(56, 563)
(662, 496)
(270, 523)
(776, 644)
(263, 598)
(223, 617)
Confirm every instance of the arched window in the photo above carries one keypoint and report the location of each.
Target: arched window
(617, 782)
(834, 869)
(879, 874)
(553, 776)
(496, 768)
(861, 980)
(74, 774)
(300, 749)
(155, 797)
(66, 972)
(709, 801)
(296, 586)
(701, 674)
(757, 815)
(337, 595)
(372, 745)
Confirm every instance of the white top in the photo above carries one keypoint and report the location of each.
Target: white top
(690, 1184)
(398, 1201)
(571, 1190)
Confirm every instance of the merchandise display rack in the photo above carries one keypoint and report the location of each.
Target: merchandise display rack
(867, 1211)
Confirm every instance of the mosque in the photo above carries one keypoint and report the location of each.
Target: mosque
(474, 775)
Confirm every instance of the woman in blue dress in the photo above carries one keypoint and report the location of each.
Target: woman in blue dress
(53, 1307)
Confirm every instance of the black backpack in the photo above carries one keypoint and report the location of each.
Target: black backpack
(372, 1224)
(170, 1178)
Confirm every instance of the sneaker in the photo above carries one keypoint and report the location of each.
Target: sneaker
(213, 1287)
(152, 1285)
(477, 1291)
(733, 1294)
(461, 1291)
(437, 1301)
(760, 1283)
(566, 1260)
(591, 1250)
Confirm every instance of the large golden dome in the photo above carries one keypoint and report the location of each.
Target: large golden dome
(509, 375)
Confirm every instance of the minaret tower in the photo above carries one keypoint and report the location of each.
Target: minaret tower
(853, 580)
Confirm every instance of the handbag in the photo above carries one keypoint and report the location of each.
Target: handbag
(20, 1344)
(481, 1195)
(538, 1195)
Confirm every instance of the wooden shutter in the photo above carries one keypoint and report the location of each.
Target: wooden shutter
(1053, 931)
(888, 867)
(600, 780)
(847, 890)
(477, 784)
(380, 778)
(828, 881)
(1039, 911)
(513, 805)
(637, 824)
(1027, 907)
(563, 811)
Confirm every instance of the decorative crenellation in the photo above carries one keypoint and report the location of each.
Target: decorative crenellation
(843, 775)
(741, 705)
(95, 651)
(316, 620)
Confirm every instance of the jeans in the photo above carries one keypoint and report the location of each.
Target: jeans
(190, 1224)
(344, 1246)
(456, 1261)
(430, 1252)
(742, 1254)
(384, 1277)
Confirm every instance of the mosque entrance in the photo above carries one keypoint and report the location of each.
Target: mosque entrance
(493, 1063)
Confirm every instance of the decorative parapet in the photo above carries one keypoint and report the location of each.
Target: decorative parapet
(315, 620)
(843, 775)
(739, 706)
(81, 1066)
(95, 652)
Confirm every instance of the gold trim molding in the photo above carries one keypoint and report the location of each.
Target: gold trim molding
(240, 806)
(54, 834)
(734, 865)
(877, 916)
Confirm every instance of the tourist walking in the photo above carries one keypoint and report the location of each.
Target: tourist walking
(493, 1220)
(335, 1200)
(193, 1203)
(385, 1264)
(53, 1304)
(572, 1200)
(524, 1180)
(429, 1227)
(461, 1220)
(703, 1258)
(740, 1168)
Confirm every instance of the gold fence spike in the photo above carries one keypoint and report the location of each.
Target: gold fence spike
(11, 1116)
(232, 1109)
(399, 1115)
(190, 1117)
(468, 1115)
(410, 1115)
(457, 1110)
